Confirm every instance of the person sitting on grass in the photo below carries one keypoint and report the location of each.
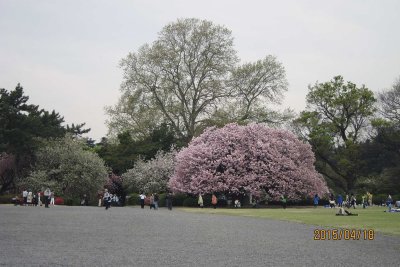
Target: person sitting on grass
(343, 212)
(237, 203)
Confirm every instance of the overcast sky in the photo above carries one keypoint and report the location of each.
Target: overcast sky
(66, 53)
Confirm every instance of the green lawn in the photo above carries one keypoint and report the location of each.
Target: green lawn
(371, 218)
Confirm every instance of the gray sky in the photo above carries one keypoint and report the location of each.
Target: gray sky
(66, 53)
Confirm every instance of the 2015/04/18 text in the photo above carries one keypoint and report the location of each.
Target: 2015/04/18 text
(344, 234)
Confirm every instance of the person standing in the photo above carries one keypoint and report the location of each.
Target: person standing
(284, 202)
(107, 199)
(347, 201)
(369, 196)
(142, 198)
(168, 200)
(52, 199)
(340, 200)
(152, 202)
(47, 194)
(39, 199)
(25, 196)
(156, 199)
(364, 201)
(316, 200)
(214, 201)
(389, 201)
(100, 197)
(29, 198)
(200, 201)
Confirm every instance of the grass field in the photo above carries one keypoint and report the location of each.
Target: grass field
(371, 218)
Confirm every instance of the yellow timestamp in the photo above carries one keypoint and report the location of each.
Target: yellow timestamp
(344, 234)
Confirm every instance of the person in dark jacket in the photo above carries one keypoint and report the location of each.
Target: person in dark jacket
(168, 200)
(156, 199)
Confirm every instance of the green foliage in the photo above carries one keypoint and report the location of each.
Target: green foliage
(6, 199)
(161, 201)
(336, 116)
(72, 201)
(67, 168)
(23, 126)
(121, 156)
(189, 78)
(152, 175)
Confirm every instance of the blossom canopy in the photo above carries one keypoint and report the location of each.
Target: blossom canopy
(247, 159)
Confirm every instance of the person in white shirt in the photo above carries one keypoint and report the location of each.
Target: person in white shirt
(142, 197)
(52, 198)
(38, 199)
(107, 199)
(29, 198)
(25, 196)
(47, 194)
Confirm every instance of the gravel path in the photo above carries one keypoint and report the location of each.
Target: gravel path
(91, 236)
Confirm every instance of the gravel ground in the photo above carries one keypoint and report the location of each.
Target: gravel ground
(92, 236)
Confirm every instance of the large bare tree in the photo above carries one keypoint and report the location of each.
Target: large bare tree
(188, 75)
(390, 103)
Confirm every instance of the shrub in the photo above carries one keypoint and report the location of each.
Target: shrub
(133, 199)
(161, 201)
(6, 199)
(177, 199)
(379, 199)
(190, 202)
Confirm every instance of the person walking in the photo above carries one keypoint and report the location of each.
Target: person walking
(353, 201)
(156, 199)
(168, 200)
(46, 195)
(316, 200)
(200, 201)
(107, 199)
(214, 201)
(142, 198)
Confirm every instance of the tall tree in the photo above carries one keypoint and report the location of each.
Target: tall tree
(389, 101)
(255, 86)
(122, 154)
(22, 126)
(186, 76)
(345, 107)
(336, 115)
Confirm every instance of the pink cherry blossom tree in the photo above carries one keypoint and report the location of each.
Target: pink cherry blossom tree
(248, 159)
